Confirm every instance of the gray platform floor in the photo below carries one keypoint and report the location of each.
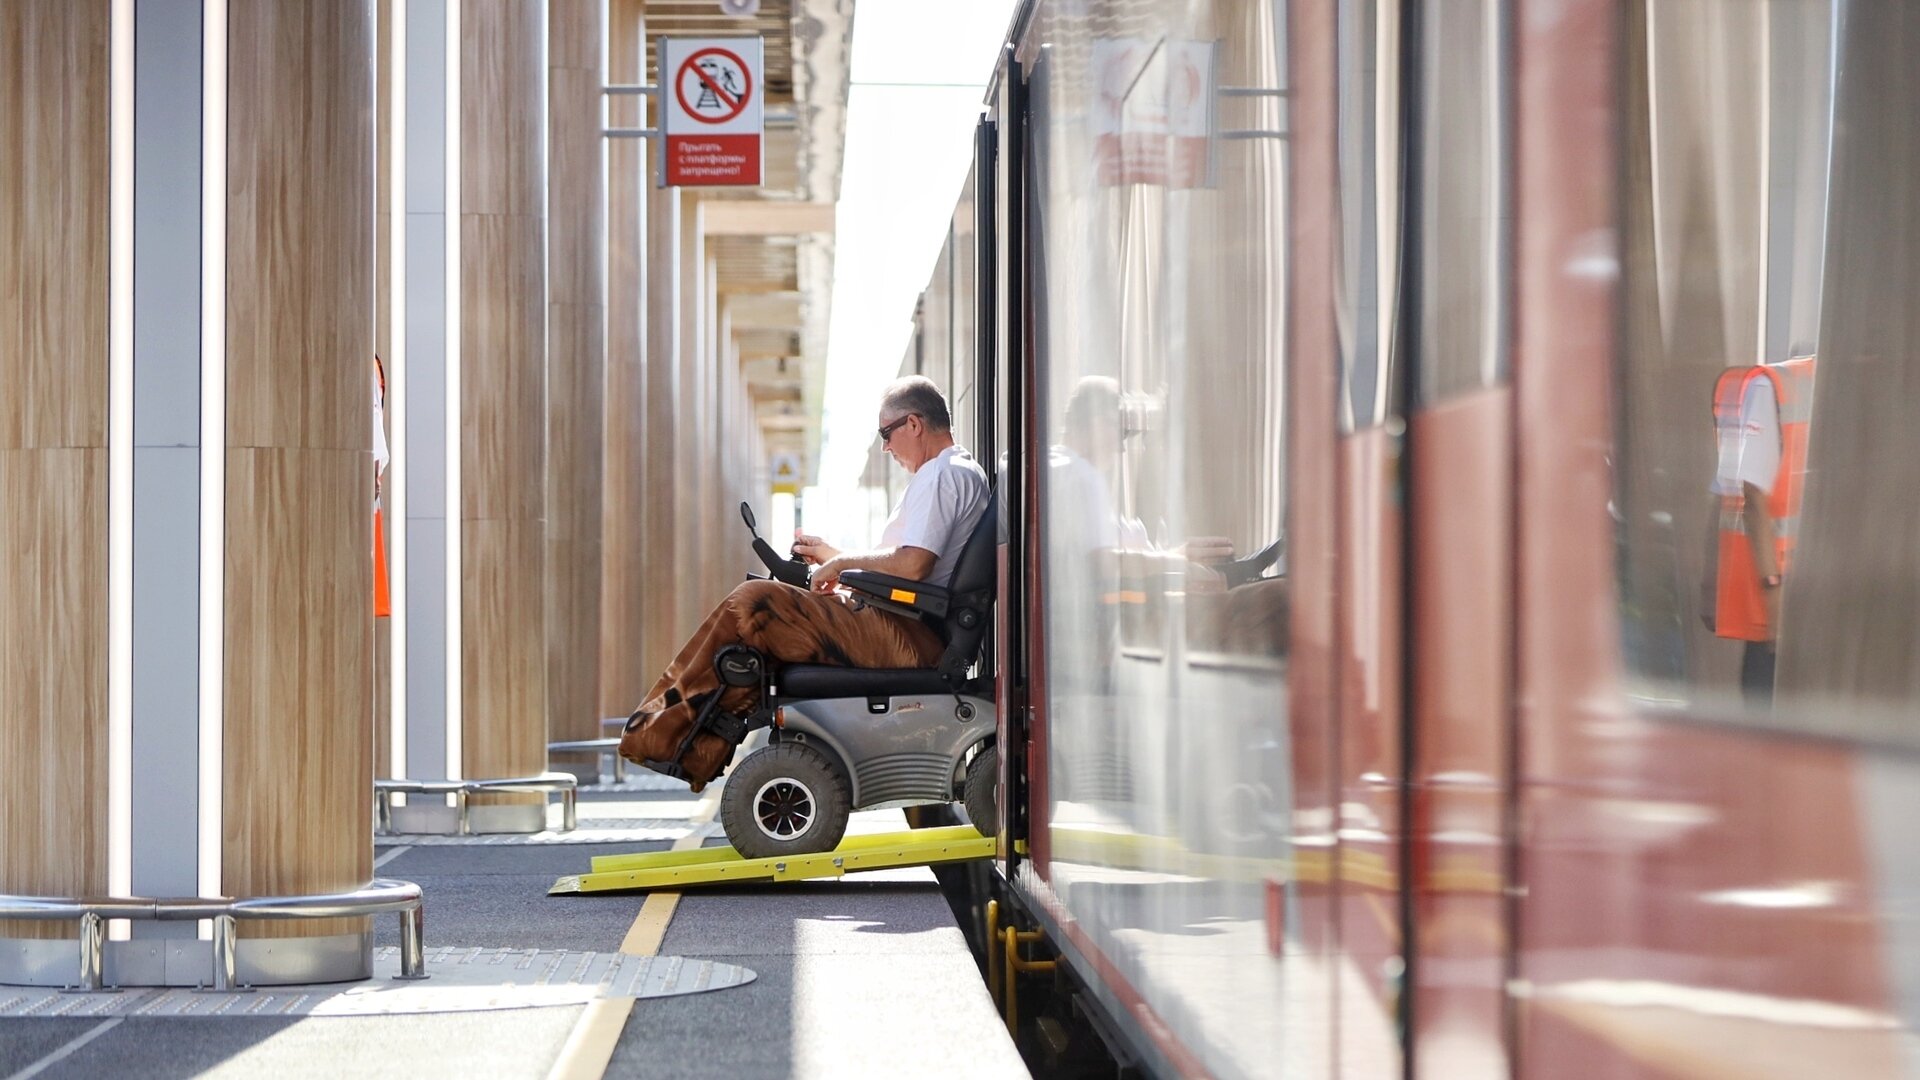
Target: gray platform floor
(854, 978)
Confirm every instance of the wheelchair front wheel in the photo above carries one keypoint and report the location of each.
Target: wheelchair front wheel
(785, 799)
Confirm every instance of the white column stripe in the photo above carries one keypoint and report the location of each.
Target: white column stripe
(120, 463)
(213, 444)
(454, 503)
(394, 514)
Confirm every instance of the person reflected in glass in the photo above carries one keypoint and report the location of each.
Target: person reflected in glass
(1760, 427)
(1121, 566)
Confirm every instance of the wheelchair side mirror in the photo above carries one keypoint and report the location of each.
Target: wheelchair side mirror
(746, 515)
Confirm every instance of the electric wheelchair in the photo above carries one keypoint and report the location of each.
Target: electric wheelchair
(841, 739)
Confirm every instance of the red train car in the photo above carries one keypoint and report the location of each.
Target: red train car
(1352, 367)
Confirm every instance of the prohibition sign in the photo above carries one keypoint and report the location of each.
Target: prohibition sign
(725, 83)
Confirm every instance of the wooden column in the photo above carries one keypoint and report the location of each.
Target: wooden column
(54, 72)
(624, 676)
(664, 487)
(502, 224)
(692, 495)
(576, 369)
(713, 444)
(298, 753)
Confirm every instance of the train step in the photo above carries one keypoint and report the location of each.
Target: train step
(643, 871)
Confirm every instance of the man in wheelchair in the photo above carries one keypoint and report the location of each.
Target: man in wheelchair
(689, 723)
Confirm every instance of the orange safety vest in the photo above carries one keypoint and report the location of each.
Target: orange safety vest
(1740, 602)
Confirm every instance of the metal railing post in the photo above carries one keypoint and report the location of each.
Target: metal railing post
(226, 946)
(413, 948)
(93, 941)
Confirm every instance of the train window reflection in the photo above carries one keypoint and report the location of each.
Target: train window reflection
(1370, 155)
(1464, 213)
(1764, 464)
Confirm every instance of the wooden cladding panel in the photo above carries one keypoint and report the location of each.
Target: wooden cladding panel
(54, 94)
(502, 371)
(576, 381)
(503, 398)
(300, 337)
(299, 678)
(576, 367)
(54, 68)
(503, 659)
(623, 661)
(53, 677)
(299, 223)
(502, 106)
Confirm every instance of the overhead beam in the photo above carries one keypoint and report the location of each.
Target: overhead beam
(756, 217)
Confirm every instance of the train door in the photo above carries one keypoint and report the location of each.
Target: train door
(1350, 303)
(1459, 534)
(1349, 515)
(1402, 524)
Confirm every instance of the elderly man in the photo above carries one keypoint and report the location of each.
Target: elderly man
(922, 541)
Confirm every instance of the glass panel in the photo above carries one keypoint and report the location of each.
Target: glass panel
(1769, 564)
(1160, 163)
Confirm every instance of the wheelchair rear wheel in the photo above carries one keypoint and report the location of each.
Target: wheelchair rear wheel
(785, 799)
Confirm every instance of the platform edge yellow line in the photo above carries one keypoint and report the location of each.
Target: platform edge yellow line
(589, 1047)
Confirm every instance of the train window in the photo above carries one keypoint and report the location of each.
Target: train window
(1765, 456)
(1464, 215)
(1159, 159)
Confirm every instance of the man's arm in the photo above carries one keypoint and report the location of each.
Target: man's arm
(912, 563)
(1766, 562)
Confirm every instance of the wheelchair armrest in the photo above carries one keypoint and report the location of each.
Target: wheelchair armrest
(904, 595)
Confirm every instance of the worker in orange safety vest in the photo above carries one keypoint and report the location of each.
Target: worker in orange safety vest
(382, 600)
(1760, 418)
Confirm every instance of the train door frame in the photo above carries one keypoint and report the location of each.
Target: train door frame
(1009, 375)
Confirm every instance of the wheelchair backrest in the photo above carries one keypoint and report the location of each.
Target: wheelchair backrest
(974, 586)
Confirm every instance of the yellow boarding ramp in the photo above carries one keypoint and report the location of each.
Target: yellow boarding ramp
(723, 865)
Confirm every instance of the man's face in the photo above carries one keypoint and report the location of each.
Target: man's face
(902, 434)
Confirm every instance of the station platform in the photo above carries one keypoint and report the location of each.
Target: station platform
(866, 975)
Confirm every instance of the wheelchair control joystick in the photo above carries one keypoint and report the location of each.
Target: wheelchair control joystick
(790, 570)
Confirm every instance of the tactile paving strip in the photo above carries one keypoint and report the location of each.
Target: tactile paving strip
(461, 980)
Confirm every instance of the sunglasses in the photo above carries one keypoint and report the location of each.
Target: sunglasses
(886, 433)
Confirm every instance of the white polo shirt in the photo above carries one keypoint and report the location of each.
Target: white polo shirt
(1750, 449)
(942, 504)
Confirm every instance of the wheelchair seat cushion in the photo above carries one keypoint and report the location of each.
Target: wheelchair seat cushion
(829, 681)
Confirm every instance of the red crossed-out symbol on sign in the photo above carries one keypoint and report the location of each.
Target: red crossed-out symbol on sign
(720, 82)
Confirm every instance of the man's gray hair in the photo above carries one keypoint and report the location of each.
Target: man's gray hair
(917, 394)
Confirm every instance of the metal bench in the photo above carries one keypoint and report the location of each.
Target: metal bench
(595, 746)
(380, 896)
(462, 790)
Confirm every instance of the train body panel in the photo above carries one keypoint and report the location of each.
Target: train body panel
(1463, 781)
